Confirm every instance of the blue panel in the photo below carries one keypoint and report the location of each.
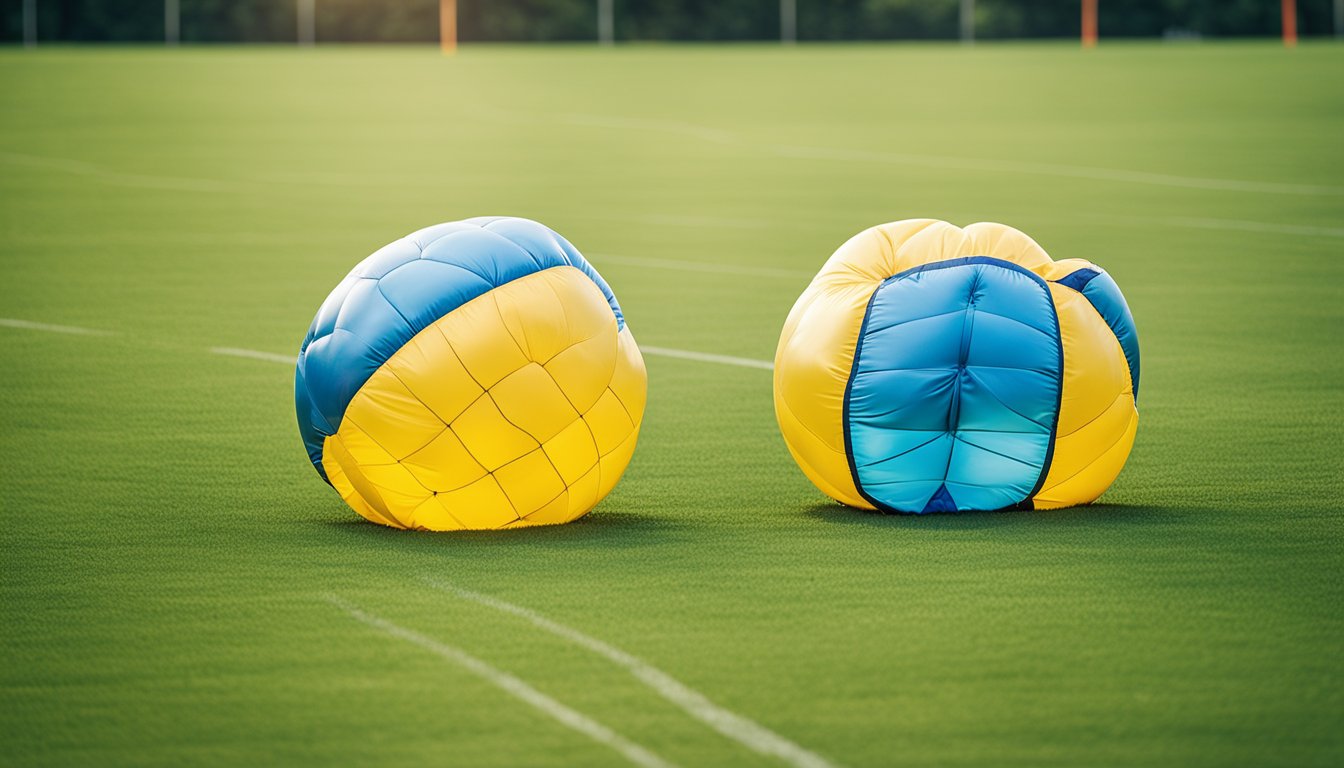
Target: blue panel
(402, 289)
(1110, 303)
(954, 393)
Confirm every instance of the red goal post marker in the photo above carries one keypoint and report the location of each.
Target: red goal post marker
(448, 26)
(1289, 23)
(1089, 23)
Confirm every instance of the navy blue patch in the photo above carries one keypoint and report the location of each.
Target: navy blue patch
(1078, 279)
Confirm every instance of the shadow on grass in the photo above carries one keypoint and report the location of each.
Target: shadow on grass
(1092, 515)
(598, 530)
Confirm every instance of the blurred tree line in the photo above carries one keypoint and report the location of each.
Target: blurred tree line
(570, 20)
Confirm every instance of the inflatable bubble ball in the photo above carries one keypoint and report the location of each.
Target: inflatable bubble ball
(929, 368)
(476, 374)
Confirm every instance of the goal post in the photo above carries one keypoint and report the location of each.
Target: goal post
(448, 26)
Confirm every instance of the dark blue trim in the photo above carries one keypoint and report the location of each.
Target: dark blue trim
(858, 350)
(844, 408)
(1078, 279)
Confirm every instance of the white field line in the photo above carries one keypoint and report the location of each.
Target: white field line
(255, 355)
(272, 357)
(29, 325)
(510, 685)
(1254, 226)
(699, 266)
(115, 178)
(1065, 170)
(746, 732)
(705, 357)
(1055, 169)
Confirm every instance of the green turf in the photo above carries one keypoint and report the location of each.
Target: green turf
(165, 547)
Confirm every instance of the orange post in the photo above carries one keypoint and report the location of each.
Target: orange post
(448, 26)
(1089, 23)
(1290, 23)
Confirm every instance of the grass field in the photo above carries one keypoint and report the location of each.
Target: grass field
(170, 559)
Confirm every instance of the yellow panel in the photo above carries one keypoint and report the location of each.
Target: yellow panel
(612, 465)
(827, 468)
(332, 464)
(548, 314)
(553, 513)
(1097, 415)
(444, 464)
(429, 368)
(362, 496)
(1058, 270)
(812, 366)
(1003, 242)
(1089, 483)
(530, 482)
(584, 370)
(531, 400)
(609, 422)
(489, 437)
(630, 381)
(1095, 371)
(480, 505)
(391, 416)
(573, 451)
(583, 493)
(361, 447)
(478, 335)
(431, 516)
(394, 478)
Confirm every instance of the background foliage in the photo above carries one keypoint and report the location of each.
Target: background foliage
(568, 20)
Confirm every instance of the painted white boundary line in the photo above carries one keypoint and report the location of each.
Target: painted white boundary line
(511, 685)
(29, 325)
(705, 357)
(90, 170)
(255, 355)
(746, 732)
(799, 152)
(1254, 226)
(272, 357)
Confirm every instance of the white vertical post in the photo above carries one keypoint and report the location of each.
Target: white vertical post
(307, 11)
(172, 22)
(968, 21)
(788, 21)
(29, 23)
(606, 22)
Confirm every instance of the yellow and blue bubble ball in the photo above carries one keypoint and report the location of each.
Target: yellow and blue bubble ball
(929, 368)
(473, 375)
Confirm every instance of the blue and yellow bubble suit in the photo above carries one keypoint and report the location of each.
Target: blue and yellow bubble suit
(477, 374)
(930, 368)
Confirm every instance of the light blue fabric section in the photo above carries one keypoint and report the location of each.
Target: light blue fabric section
(402, 289)
(955, 388)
